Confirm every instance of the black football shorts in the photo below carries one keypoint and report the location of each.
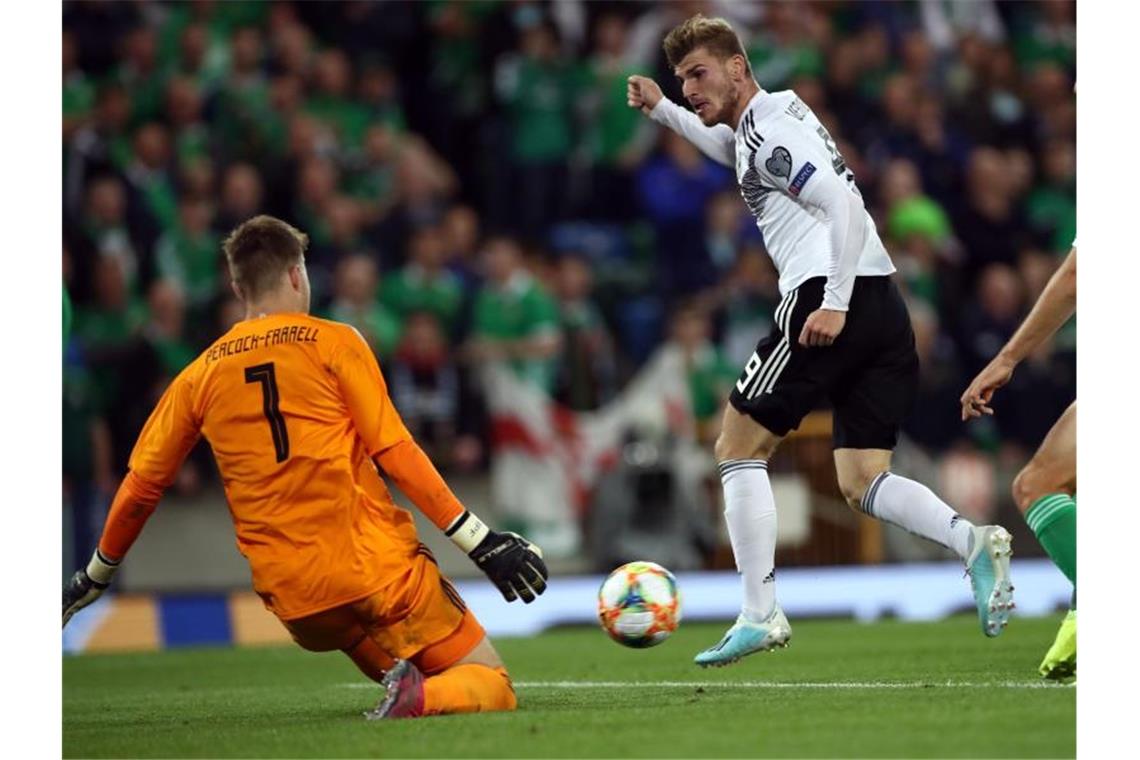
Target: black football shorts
(869, 375)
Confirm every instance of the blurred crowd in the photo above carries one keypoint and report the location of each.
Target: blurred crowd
(476, 189)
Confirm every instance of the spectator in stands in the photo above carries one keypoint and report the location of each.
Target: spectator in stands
(747, 297)
(99, 147)
(537, 88)
(78, 89)
(934, 422)
(166, 330)
(242, 197)
(618, 138)
(105, 232)
(988, 222)
(189, 131)
(587, 370)
(149, 180)
(1052, 205)
(424, 383)
(345, 238)
(674, 188)
(515, 320)
(425, 284)
(373, 183)
(355, 303)
(138, 73)
(992, 317)
(461, 243)
(188, 254)
(332, 102)
(710, 375)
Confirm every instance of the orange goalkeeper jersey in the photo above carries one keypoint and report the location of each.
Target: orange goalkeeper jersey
(295, 409)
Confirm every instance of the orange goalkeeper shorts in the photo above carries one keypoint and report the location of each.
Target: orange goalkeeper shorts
(419, 617)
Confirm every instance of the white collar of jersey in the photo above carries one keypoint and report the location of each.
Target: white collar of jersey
(755, 104)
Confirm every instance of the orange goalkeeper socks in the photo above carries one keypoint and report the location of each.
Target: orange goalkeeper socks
(468, 688)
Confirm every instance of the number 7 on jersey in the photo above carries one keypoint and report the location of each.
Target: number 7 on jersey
(266, 374)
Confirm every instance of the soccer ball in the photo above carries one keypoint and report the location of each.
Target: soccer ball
(639, 605)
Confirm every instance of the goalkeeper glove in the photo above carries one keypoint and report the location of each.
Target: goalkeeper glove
(512, 563)
(87, 584)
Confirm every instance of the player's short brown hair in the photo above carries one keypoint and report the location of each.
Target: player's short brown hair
(260, 250)
(714, 34)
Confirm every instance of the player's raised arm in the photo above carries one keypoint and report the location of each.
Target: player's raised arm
(512, 563)
(170, 432)
(717, 142)
(1058, 302)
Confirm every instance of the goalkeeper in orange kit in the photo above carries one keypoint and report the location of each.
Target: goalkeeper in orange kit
(298, 416)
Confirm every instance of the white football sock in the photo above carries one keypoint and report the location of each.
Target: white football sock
(750, 511)
(916, 508)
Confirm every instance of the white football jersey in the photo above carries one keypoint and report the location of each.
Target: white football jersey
(788, 168)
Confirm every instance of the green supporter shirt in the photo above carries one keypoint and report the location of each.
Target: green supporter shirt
(78, 94)
(247, 124)
(98, 329)
(379, 326)
(1054, 210)
(455, 64)
(776, 65)
(147, 93)
(616, 124)
(192, 261)
(174, 354)
(710, 379)
(376, 184)
(192, 144)
(411, 289)
(350, 120)
(522, 309)
(540, 98)
(160, 197)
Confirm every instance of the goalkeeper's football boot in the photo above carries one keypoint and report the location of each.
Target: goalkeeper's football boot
(403, 687)
(988, 568)
(746, 637)
(1060, 663)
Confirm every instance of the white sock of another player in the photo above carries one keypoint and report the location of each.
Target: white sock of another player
(916, 508)
(750, 511)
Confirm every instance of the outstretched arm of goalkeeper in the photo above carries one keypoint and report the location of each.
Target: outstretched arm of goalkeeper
(164, 442)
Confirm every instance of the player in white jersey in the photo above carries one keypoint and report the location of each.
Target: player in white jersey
(842, 332)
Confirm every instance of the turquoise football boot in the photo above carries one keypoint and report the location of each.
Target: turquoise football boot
(988, 568)
(746, 637)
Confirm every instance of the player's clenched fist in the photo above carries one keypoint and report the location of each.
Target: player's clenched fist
(643, 93)
(822, 327)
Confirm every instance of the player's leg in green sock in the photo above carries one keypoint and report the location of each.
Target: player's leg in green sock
(1044, 490)
(1053, 519)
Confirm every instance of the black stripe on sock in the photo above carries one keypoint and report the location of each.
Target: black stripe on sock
(868, 503)
(729, 467)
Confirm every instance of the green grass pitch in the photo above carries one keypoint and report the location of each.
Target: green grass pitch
(842, 689)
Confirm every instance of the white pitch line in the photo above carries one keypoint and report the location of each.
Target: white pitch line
(766, 685)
